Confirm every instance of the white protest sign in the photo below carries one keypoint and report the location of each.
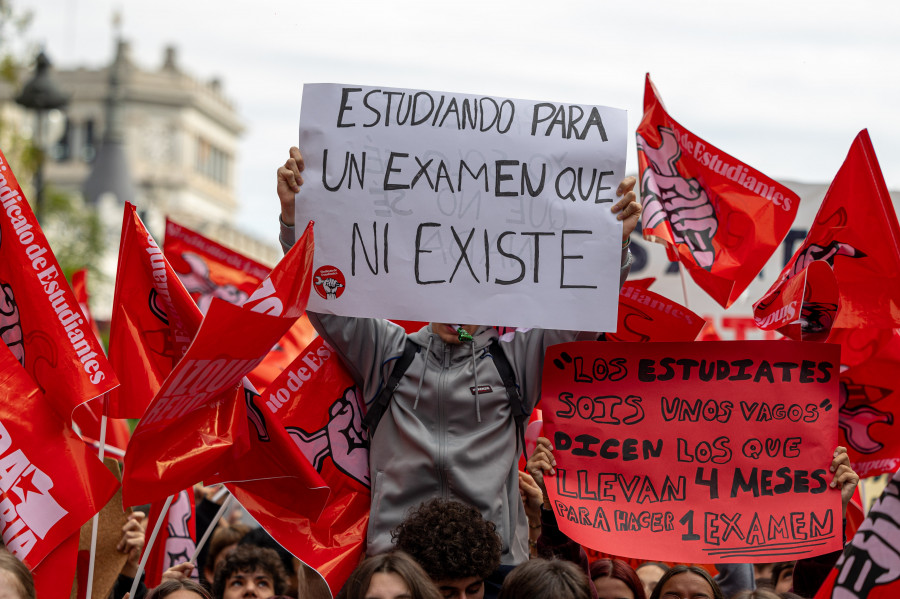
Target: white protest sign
(448, 207)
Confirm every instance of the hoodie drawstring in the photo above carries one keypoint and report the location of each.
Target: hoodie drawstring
(424, 369)
(475, 373)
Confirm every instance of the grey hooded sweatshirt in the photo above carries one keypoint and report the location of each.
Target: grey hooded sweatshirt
(438, 438)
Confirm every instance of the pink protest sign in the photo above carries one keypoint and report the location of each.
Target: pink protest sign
(695, 452)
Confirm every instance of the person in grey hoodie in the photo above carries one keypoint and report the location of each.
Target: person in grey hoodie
(438, 437)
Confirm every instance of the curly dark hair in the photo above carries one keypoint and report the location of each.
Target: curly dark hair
(247, 558)
(450, 540)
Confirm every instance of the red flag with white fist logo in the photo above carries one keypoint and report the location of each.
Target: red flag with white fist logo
(720, 218)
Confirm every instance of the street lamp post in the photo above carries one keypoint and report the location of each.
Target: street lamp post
(41, 94)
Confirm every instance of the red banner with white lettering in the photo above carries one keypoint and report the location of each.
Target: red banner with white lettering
(711, 452)
(209, 270)
(720, 218)
(868, 567)
(648, 316)
(855, 233)
(40, 320)
(315, 399)
(154, 319)
(198, 417)
(50, 482)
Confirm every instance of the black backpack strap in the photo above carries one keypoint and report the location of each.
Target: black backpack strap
(508, 376)
(377, 408)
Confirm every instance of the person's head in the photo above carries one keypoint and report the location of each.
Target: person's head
(449, 333)
(650, 573)
(757, 594)
(16, 581)
(687, 582)
(223, 540)
(393, 575)
(259, 537)
(546, 579)
(783, 576)
(179, 589)
(614, 579)
(453, 543)
(250, 571)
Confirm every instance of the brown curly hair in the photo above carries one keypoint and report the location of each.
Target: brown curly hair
(450, 540)
(247, 558)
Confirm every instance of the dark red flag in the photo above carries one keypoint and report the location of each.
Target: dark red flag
(314, 398)
(40, 320)
(198, 418)
(719, 217)
(153, 321)
(50, 482)
(855, 233)
(209, 270)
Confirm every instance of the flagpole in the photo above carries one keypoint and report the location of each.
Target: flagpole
(683, 285)
(210, 528)
(149, 545)
(95, 521)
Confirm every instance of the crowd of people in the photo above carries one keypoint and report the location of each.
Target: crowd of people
(452, 515)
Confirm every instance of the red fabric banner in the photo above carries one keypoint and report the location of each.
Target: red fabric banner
(55, 575)
(868, 567)
(153, 321)
(314, 398)
(714, 452)
(175, 543)
(209, 270)
(870, 403)
(719, 217)
(855, 232)
(648, 316)
(197, 419)
(40, 320)
(50, 482)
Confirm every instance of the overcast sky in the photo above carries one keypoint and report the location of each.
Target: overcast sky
(784, 86)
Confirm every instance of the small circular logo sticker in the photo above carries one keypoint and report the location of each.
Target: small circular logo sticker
(329, 282)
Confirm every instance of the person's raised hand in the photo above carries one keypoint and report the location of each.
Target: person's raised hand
(844, 477)
(289, 180)
(540, 462)
(132, 542)
(628, 208)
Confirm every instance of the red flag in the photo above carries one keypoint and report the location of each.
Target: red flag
(55, 575)
(50, 483)
(316, 401)
(196, 419)
(855, 233)
(719, 217)
(869, 403)
(648, 316)
(209, 270)
(175, 543)
(40, 320)
(153, 321)
(868, 566)
(79, 289)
